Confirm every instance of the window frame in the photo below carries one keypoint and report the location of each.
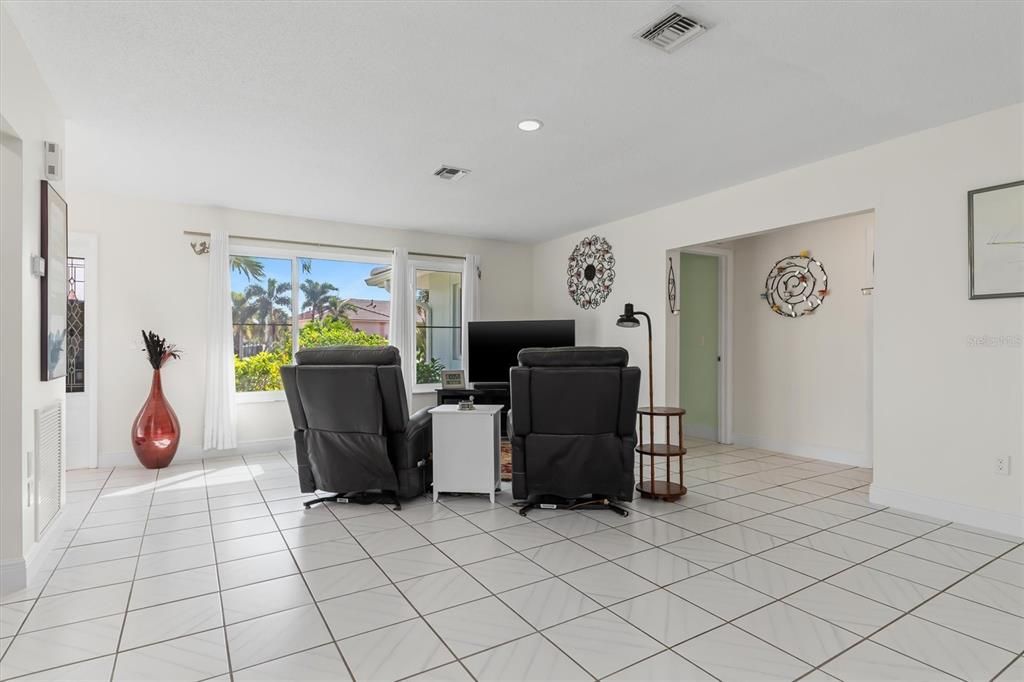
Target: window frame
(294, 254)
(435, 265)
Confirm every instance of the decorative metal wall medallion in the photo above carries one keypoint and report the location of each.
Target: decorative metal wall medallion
(672, 288)
(591, 272)
(796, 285)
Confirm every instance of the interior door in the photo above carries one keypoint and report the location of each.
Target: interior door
(699, 361)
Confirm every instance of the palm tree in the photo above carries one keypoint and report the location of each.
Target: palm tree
(270, 305)
(251, 267)
(242, 310)
(338, 307)
(317, 294)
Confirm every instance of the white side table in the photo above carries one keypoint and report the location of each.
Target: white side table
(467, 449)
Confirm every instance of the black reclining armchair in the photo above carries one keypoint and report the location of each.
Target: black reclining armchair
(573, 427)
(353, 432)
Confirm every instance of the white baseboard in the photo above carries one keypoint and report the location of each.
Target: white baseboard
(15, 573)
(195, 453)
(1001, 522)
(850, 458)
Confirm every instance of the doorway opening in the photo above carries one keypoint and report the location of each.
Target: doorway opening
(774, 378)
(703, 338)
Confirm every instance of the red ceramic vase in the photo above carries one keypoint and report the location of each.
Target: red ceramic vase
(156, 432)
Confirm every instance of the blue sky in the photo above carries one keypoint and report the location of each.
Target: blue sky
(345, 275)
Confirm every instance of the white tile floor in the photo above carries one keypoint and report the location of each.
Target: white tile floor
(772, 567)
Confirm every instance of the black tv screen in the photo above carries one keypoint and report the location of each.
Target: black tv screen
(494, 346)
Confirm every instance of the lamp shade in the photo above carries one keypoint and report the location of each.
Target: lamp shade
(628, 318)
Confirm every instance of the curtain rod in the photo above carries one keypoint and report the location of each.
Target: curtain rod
(202, 248)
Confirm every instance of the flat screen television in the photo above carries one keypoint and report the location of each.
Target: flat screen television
(494, 346)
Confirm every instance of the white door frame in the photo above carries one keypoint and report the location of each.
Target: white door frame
(725, 323)
(86, 245)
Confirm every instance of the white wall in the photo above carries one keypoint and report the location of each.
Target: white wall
(31, 113)
(943, 407)
(801, 385)
(149, 278)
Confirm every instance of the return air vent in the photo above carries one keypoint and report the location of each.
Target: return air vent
(451, 173)
(49, 464)
(671, 31)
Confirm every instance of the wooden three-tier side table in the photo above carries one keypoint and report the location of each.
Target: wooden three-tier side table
(651, 487)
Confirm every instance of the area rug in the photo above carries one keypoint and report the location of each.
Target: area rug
(506, 460)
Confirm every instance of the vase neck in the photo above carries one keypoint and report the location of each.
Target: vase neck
(156, 387)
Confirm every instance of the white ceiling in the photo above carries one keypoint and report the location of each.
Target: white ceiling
(343, 110)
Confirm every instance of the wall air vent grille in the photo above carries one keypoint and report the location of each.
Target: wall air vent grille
(49, 464)
(671, 31)
(451, 173)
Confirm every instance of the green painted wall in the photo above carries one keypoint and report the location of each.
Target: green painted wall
(698, 342)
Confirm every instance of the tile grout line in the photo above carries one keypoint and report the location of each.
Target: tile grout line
(785, 542)
(605, 559)
(911, 611)
(776, 600)
(609, 606)
(216, 572)
(1019, 658)
(312, 597)
(602, 606)
(96, 497)
(463, 516)
(491, 593)
(131, 589)
(715, 570)
(49, 577)
(823, 580)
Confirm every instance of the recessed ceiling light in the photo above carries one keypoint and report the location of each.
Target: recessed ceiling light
(530, 125)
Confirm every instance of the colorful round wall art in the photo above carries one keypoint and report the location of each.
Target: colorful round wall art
(591, 272)
(796, 285)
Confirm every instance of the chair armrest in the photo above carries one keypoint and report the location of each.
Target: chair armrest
(418, 422)
(509, 425)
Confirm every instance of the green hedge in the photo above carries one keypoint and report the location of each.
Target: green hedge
(336, 331)
(261, 372)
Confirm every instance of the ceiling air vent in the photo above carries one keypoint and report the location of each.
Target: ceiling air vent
(451, 173)
(671, 31)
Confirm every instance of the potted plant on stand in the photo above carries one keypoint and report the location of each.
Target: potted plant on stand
(156, 432)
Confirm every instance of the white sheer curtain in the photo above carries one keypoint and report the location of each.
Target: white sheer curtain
(219, 422)
(470, 303)
(400, 330)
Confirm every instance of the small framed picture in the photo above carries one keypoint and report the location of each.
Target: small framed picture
(453, 378)
(995, 234)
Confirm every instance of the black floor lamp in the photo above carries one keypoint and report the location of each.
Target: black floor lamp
(628, 319)
(660, 489)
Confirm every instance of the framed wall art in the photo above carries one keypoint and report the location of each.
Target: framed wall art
(53, 248)
(995, 240)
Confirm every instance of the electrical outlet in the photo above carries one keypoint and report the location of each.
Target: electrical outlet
(1003, 466)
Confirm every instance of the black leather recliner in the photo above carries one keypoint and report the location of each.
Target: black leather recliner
(353, 432)
(573, 427)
